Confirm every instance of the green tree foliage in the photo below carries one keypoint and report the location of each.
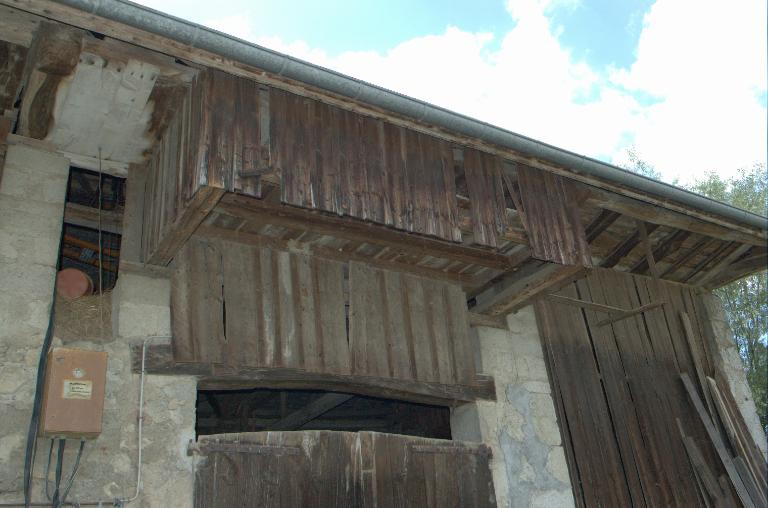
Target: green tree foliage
(746, 300)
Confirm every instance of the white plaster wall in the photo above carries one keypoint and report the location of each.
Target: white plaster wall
(729, 361)
(528, 465)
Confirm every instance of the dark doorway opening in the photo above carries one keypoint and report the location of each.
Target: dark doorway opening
(256, 410)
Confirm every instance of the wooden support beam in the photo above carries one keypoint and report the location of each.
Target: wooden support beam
(641, 228)
(201, 204)
(317, 407)
(357, 230)
(159, 360)
(499, 322)
(625, 247)
(516, 289)
(52, 57)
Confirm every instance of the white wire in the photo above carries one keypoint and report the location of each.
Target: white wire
(141, 413)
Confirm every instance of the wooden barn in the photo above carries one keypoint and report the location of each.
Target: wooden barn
(233, 278)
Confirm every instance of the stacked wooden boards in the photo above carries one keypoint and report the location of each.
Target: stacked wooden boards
(324, 468)
(242, 305)
(618, 392)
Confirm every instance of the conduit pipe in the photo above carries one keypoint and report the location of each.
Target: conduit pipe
(196, 36)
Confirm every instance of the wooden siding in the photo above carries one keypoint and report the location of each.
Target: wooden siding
(618, 392)
(408, 327)
(342, 162)
(237, 305)
(486, 196)
(213, 144)
(324, 468)
(551, 218)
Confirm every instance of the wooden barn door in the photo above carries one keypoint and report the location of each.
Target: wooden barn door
(340, 469)
(616, 381)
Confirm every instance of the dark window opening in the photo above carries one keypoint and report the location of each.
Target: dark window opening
(81, 244)
(256, 410)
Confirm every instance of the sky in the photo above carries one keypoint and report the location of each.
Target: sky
(682, 83)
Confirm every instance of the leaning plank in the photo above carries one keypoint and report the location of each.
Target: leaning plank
(317, 407)
(159, 360)
(701, 469)
(738, 443)
(718, 443)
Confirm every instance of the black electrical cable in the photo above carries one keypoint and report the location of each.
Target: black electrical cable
(34, 421)
(59, 467)
(48, 470)
(72, 475)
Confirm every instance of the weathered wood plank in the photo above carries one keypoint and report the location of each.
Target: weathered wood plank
(160, 361)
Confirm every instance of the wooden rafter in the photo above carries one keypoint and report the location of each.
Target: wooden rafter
(670, 243)
(602, 222)
(708, 260)
(625, 247)
(701, 244)
(725, 262)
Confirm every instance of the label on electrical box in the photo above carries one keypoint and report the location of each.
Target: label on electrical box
(77, 389)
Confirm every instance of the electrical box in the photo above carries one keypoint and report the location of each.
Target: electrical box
(73, 397)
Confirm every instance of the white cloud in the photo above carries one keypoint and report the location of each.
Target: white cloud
(702, 61)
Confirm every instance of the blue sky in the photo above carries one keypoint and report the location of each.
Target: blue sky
(682, 82)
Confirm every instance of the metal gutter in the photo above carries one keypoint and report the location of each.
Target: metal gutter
(203, 38)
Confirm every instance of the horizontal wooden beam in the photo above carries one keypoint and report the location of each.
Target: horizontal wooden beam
(330, 253)
(88, 217)
(517, 288)
(159, 360)
(348, 228)
(499, 322)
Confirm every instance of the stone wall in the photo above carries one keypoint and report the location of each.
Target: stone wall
(729, 361)
(529, 466)
(32, 193)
